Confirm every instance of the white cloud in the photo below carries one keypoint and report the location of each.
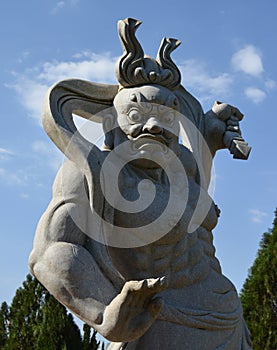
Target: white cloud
(24, 195)
(270, 84)
(16, 177)
(5, 154)
(5, 151)
(31, 87)
(22, 172)
(205, 85)
(34, 83)
(30, 93)
(248, 60)
(23, 57)
(62, 4)
(99, 68)
(58, 6)
(255, 95)
(257, 215)
(8, 175)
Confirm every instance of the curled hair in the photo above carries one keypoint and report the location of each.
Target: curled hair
(134, 68)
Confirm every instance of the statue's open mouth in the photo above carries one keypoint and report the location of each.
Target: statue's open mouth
(146, 140)
(145, 136)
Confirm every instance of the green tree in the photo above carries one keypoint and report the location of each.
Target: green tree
(57, 329)
(93, 341)
(259, 293)
(89, 341)
(4, 323)
(38, 322)
(25, 315)
(86, 336)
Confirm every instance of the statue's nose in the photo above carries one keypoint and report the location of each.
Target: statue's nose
(152, 126)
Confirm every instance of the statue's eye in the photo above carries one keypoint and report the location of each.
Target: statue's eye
(169, 117)
(135, 115)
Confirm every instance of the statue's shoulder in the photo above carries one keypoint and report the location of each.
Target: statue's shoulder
(70, 182)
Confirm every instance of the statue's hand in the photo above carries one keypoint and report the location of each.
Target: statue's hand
(133, 311)
(228, 114)
(222, 120)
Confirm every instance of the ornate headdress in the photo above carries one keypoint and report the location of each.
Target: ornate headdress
(134, 68)
(87, 99)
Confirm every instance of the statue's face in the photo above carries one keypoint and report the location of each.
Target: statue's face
(147, 117)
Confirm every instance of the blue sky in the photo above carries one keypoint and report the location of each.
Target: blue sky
(228, 52)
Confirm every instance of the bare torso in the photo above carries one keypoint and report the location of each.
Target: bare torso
(185, 259)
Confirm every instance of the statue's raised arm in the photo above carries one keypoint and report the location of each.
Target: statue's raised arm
(83, 98)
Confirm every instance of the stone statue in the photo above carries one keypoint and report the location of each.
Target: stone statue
(126, 241)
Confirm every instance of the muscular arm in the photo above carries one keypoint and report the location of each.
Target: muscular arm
(62, 263)
(59, 258)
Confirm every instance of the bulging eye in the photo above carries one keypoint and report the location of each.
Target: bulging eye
(135, 115)
(169, 117)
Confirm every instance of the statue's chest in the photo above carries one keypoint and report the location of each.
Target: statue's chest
(140, 202)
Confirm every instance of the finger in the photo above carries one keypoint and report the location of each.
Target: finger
(237, 113)
(135, 293)
(232, 122)
(234, 118)
(139, 286)
(145, 288)
(156, 285)
(151, 287)
(233, 129)
(132, 286)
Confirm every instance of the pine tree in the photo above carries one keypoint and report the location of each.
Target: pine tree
(259, 293)
(86, 336)
(4, 323)
(36, 321)
(57, 329)
(89, 341)
(94, 344)
(25, 315)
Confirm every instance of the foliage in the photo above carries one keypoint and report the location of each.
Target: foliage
(4, 320)
(89, 341)
(37, 321)
(259, 293)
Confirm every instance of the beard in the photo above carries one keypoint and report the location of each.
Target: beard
(147, 151)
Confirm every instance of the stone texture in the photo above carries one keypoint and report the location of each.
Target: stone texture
(126, 242)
